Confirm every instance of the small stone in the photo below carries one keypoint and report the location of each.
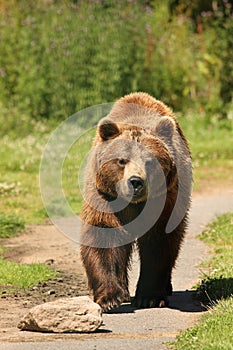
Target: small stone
(49, 261)
(34, 288)
(65, 315)
(52, 291)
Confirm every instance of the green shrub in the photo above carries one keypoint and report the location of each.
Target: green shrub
(58, 57)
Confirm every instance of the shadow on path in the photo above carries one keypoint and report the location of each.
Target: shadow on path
(180, 300)
(185, 301)
(213, 289)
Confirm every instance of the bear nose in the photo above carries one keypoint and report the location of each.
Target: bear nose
(137, 183)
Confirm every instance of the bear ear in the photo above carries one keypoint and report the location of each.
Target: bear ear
(165, 127)
(108, 130)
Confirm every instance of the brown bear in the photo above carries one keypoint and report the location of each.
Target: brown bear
(137, 193)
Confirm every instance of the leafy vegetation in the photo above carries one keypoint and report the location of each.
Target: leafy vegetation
(58, 57)
(215, 328)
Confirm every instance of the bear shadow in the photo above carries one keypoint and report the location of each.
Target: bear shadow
(180, 300)
(185, 301)
(125, 308)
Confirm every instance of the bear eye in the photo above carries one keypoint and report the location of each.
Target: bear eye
(122, 161)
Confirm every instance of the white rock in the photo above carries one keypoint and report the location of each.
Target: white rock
(79, 314)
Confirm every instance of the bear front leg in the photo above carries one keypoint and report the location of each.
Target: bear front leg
(107, 272)
(154, 284)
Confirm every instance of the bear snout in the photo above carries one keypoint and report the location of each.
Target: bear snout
(137, 185)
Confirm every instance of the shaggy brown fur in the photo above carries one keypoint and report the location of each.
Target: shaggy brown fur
(121, 165)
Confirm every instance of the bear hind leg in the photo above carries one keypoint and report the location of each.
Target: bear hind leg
(154, 284)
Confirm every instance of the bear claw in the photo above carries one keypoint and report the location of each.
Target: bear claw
(109, 301)
(150, 302)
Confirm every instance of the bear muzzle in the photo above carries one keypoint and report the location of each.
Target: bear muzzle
(137, 186)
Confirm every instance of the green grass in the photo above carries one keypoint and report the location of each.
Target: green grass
(213, 333)
(19, 168)
(211, 143)
(215, 328)
(71, 166)
(20, 203)
(13, 275)
(218, 282)
(10, 225)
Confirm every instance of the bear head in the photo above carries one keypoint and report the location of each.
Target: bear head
(134, 160)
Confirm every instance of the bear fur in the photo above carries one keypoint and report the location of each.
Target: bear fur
(138, 177)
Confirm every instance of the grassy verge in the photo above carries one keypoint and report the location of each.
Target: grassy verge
(218, 283)
(211, 143)
(215, 328)
(14, 275)
(19, 168)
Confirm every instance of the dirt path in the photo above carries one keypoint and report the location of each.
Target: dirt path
(40, 244)
(125, 327)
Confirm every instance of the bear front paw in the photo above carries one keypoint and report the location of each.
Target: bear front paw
(111, 298)
(150, 301)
